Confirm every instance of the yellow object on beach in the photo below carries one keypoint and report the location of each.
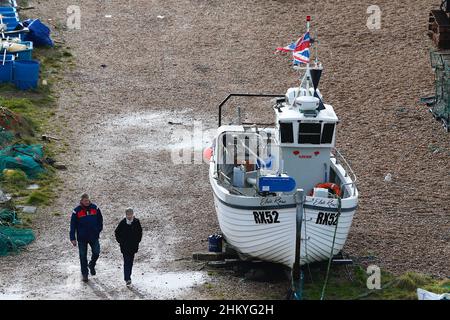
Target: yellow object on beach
(9, 172)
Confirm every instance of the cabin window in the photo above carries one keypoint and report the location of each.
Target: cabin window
(327, 133)
(287, 134)
(309, 133)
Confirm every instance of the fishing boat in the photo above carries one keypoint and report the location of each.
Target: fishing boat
(283, 193)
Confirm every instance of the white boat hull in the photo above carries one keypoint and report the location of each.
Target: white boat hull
(274, 241)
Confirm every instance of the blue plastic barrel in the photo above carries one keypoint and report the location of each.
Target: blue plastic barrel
(26, 74)
(6, 69)
(215, 243)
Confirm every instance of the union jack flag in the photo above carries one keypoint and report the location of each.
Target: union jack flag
(288, 48)
(299, 49)
(301, 52)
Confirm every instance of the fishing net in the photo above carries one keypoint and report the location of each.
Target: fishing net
(14, 123)
(8, 217)
(5, 137)
(440, 61)
(27, 158)
(13, 239)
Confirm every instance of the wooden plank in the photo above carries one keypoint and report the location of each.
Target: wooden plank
(211, 256)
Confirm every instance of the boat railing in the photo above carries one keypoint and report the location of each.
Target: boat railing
(248, 95)
(348, 170)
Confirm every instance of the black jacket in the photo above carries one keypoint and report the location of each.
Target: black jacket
(129, 236)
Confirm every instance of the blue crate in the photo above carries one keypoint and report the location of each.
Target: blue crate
(6, 69)
(11, 22)
(9, 14)
(25, 54)
(18, 34)
(26, 74)
(10, 19)
(7, 9)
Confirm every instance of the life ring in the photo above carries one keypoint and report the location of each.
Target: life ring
(334, 188)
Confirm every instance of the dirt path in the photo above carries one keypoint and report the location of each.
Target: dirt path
(136, 72)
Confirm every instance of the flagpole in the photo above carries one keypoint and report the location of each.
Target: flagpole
(308, 74)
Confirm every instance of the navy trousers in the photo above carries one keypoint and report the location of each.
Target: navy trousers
(83, 249)
(127, 265)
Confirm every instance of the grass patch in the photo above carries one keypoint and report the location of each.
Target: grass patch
(35, 115)
(411, 281)
(341, 287)
(37, 108)
(208, 286)
(14, 180)
(39, 197)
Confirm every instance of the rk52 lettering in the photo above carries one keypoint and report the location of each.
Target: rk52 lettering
(266, 217)
(327, 218)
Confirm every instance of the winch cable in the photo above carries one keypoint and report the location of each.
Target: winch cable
(322, 296)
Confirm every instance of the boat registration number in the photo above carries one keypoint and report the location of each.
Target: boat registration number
(327, 218)
(266, 217)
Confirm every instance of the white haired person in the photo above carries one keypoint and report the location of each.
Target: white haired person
(128, 235)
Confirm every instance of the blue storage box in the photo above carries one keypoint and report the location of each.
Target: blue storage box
(9, 14)
(26, 74)
(16, 34)
(11, 22)
(7, 9)
(25, 54)
(276, 184)
(215, 243)
(6, 67)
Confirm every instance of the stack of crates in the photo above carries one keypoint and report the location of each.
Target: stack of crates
(440, 62)
(9, 15)
(16, 66)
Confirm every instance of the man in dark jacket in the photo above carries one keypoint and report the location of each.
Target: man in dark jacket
(128, 235)
(85, 227)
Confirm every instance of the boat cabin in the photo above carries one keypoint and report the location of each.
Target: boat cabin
(307, 130)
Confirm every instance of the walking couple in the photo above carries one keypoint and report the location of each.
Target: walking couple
(86, 224)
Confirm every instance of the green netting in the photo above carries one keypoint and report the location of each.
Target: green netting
(27, 158)
(5, 137)
(8, 217)
(13, 239)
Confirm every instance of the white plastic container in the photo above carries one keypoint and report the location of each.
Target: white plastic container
(239, 177)
(320, 193)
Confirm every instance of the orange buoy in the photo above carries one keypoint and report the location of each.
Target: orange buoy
(207, 154)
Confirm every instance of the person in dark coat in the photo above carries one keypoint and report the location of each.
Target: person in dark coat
(86, 224)
(128, 235)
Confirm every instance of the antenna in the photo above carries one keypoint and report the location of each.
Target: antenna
(316, 46)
